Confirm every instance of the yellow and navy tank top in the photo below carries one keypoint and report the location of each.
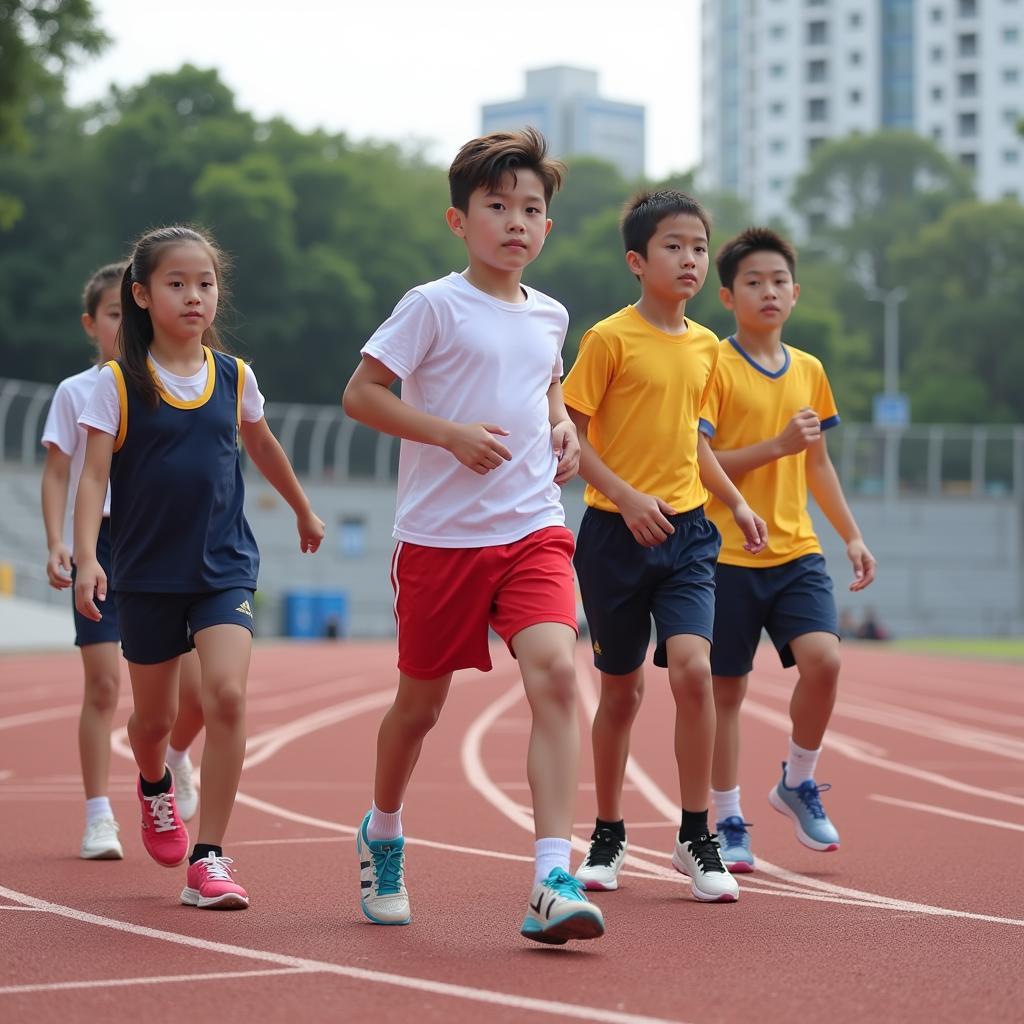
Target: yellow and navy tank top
(176, 491)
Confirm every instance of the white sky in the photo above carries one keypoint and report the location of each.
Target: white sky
(414, 69)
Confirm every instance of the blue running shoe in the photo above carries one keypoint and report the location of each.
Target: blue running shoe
(734, 840)
(559, 911)
(382, 896)
(803, 804)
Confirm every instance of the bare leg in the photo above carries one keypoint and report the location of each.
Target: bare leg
(613, 721)
(546, 655)
(189, 722)
(400, 738)
(155, 693)
(689, 675)
(729, 692)
(224, 653)
(102, 669)
(814, 697)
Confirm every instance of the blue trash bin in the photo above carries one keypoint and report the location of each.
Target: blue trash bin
(332, 614)
(300, 614)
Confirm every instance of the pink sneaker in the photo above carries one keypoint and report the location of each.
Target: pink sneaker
(163, 832)
(209, 885)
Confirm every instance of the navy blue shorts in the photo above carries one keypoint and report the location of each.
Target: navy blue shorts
(787, 600)
(623, 584)
(158, 627)
(106, 630)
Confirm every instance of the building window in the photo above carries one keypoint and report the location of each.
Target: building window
(937, 54)
(937, 93)
(936, 14)
(777, 31)
(1010, 74)
(937, 134)
(1010, 34)
(817, 33)
(777, 70)
(854, 57)
(967, 44)
(1010, 156)
(855, 19)
(777, 184)
(969, 160)
(967, 8)
(855, 96)
(814, 143)
(1010, 116)
(777, 146)
(777, 109)
(817, 71)
(817, 110)
(967, 84)
(967, 125)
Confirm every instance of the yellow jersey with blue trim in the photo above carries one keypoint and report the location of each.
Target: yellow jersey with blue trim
(749, 404)
(643, 390)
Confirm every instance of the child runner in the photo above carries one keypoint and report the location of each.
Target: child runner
(164, 422)
(97, 642)
(486, 441)
(645, 548)
(767, 414)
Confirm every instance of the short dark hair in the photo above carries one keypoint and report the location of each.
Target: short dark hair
(483, 162)
(647, 209)
(745, 244)
(104, 278)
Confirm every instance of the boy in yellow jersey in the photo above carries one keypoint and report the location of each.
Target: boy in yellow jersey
(645, 548)
(767, 413)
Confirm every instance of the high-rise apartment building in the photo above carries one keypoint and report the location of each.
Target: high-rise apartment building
(782, 76)
(564, 104)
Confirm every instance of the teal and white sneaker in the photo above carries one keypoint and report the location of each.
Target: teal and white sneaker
(383, 896)
(803, 804)
(734, 842)
(559, 911)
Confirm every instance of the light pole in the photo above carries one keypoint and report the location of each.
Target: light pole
(896, 413)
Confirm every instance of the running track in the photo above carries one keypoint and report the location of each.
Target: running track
(919, 917)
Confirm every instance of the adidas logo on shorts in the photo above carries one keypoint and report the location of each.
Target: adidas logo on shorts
(245, 608)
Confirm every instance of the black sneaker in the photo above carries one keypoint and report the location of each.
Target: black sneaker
(600, 870)
(700, 859)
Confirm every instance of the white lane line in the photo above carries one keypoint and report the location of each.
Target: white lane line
(30, 909)
(49, 715)
(60, 986)
(946, 812)
(441, 988)
(857, 751)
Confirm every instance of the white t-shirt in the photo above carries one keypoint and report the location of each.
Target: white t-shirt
(103, 410)
(468, 357)
(63, 432)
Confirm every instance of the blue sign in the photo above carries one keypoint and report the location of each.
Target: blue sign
(892, 411)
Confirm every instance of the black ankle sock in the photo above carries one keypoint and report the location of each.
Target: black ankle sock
(617, 827)
(694, 825)
(200, 850)
(156, 788)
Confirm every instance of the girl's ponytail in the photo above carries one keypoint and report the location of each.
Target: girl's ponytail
(134, 337)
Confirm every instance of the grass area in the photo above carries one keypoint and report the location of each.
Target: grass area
(998, 648)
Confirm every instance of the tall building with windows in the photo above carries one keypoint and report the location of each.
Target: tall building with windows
(564, 104)
(782, 76)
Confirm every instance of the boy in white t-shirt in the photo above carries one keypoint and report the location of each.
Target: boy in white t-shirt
(486, 440)
(97, 642)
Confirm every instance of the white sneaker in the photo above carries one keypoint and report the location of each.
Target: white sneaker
(382, 893)
(558, 911)
(600, 870)
(100, 841)
(185, 793)
(701, 860)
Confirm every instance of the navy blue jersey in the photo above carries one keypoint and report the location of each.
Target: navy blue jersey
(176, 491)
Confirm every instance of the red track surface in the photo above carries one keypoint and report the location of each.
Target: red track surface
(919, 917)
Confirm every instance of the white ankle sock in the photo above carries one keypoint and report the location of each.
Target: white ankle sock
(384, 824)
(175, 758)
(97, 807)
(801, 764)
(550, 853)
(727, 803)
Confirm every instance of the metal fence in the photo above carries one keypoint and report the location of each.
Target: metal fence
(323, 443)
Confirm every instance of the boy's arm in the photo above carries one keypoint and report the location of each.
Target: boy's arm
(801, 431)
(368, 398)
(91, 580)
(644, 514)
(269, 458)
(56, 473)
(717, 481)
(828, 493)
(564, 438)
